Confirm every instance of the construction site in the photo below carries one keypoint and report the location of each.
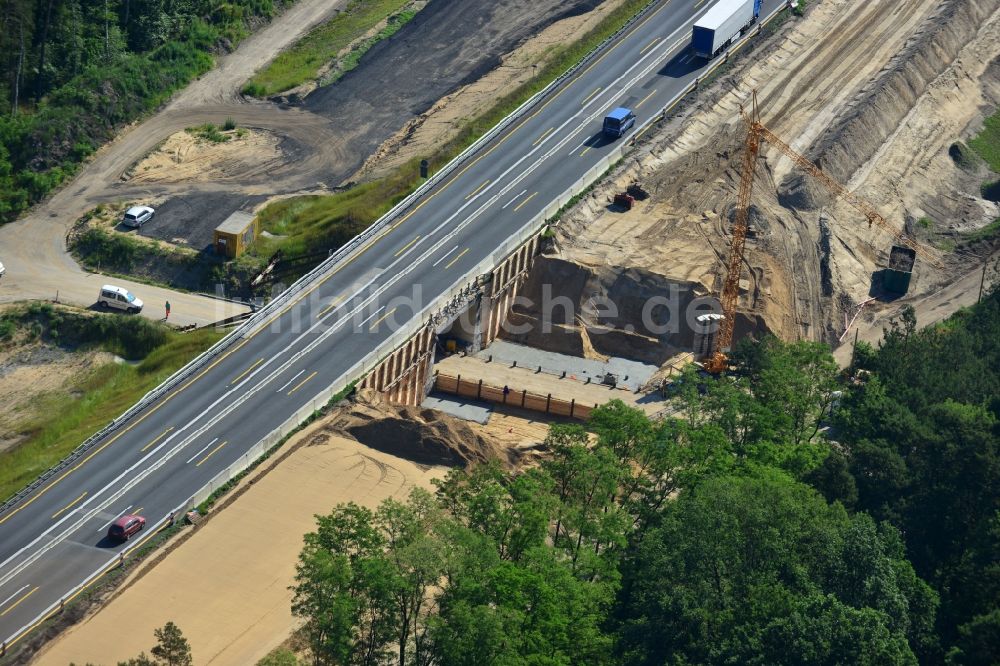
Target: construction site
(806, 190)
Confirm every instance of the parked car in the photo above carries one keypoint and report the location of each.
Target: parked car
(2, 269)
(118, 298)
(136, 216)
(125, 527)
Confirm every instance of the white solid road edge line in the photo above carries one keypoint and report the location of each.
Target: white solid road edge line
(444, 256)
(202, 451)
(315, 343)
(287, 383)
(4, 602)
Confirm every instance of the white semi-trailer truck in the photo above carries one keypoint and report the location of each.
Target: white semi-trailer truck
(721, 24)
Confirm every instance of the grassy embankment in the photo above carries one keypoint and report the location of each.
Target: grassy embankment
(326, 222)
(304, 61)
(73, 414)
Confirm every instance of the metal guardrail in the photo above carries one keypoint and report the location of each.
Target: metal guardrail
(342, 254)
(370, 360)
(362, 239)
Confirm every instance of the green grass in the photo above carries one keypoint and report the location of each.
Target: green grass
(987, 233)
(313, 223)
(303, 61)
(103, 395)
(925, 223)
(987, 142)
(211, 133)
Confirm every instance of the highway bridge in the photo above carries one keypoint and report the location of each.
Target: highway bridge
(329, 328)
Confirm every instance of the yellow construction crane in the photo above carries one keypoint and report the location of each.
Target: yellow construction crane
(756, 133)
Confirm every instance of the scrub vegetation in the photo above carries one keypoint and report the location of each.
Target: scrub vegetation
(790, 514)
(75, 413)
(317, 50)
(987, 142)
(73, 72)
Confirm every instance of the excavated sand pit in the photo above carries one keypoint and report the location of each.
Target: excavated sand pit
(875, 93)
(186, 157)
(424, 436)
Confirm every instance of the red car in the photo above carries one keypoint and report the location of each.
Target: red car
(123, 528)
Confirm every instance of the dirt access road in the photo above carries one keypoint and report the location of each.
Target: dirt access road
(33, 248)
(321, 144)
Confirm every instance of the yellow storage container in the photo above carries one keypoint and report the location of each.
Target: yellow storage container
(235, 234)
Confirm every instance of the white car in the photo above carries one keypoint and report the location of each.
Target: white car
(2, 269)
(136, 216)
(118, 298)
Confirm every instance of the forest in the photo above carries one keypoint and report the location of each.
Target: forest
(790, 514)
(74, 71)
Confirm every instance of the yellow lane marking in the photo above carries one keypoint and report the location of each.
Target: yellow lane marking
(584, 151)
(62, 510)
(590, 96)
(407, 246)
(211, 453)
(290, 306)
(246, 372)
(299, 385)
(331, 306)
(596, 62)
(542, 137)
(651, 44)
(542, 107)
(138, 511)
(644, 99)
(115, 438)
(379, 321)
(458, 256)
(158, 438)
(476, 191)
(108, 567)
(699, 4)
(15, 604)
(530, 197)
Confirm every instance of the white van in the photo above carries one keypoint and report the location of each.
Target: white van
(118, 298)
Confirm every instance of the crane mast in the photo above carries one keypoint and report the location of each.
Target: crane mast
(756, 133)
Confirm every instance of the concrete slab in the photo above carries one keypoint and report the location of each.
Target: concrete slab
(582, 368)
(470, 410)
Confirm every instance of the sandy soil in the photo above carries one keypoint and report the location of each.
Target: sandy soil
(30, 372)
(34, 251)
(816, 79)
(227, 586)
(186, 157)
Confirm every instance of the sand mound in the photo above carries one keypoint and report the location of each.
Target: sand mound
(421, 435)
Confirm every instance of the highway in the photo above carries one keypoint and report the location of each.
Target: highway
(54, 539)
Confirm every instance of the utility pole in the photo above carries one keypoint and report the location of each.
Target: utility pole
(982, 281)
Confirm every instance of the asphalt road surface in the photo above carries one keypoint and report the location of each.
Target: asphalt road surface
(54, 539)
